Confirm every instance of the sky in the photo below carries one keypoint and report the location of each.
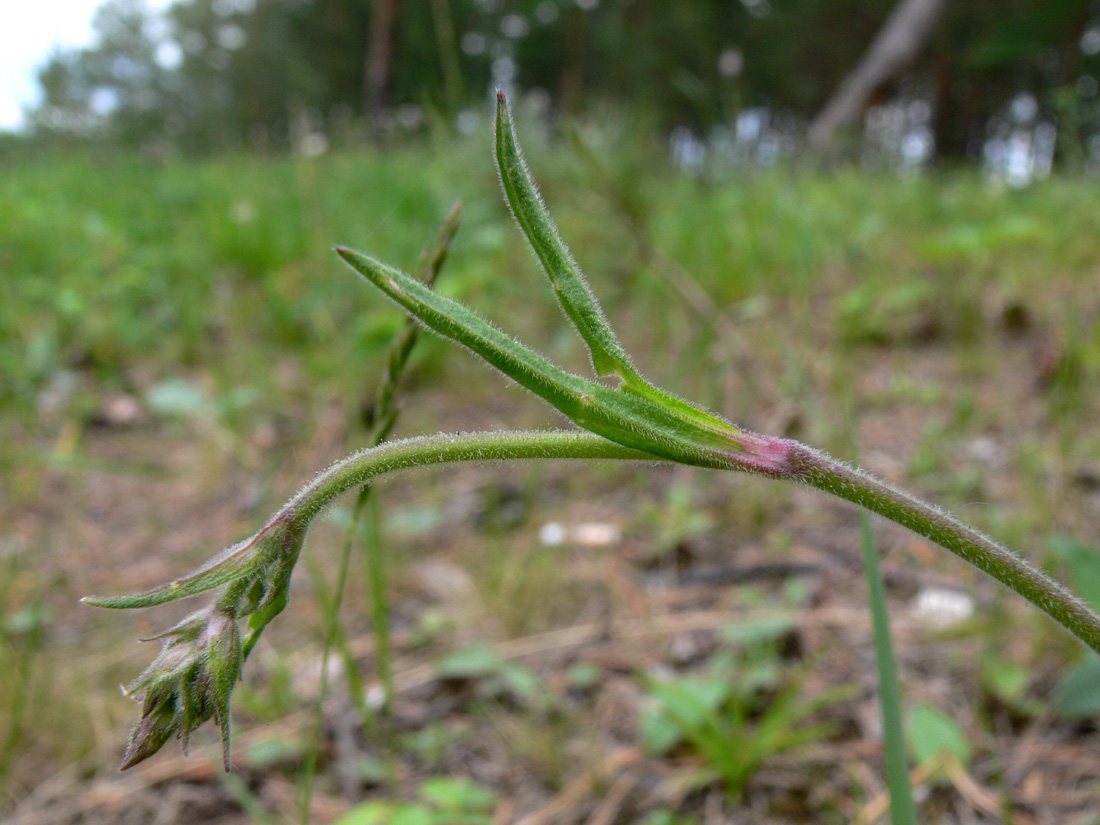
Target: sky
(29, 31)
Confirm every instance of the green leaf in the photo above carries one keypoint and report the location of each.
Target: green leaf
(675, 431)
(1079, 693)
(682, 709)
(1007, 682)
(177, 398)
(412, 814)
(659, 731)
(269, 753)
(453, 794)
(570, 287)
(666, 816)
(584, 676)
(25, 621)
(521, 682)
(473, 662)
(235, 563)
(1083, 563)
(385, 812)
(369, 813)
(763, 631)
(932, 733)
(902, 809)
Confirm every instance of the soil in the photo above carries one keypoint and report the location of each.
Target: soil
(647, 592)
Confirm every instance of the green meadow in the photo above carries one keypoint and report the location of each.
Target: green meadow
(180, 348)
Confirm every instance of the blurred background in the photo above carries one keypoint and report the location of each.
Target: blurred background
(868, 225)
(1011, 86)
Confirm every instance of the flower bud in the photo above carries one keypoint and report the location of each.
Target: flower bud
(190, 681)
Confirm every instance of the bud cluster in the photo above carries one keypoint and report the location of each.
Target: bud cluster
(201, 658)
(189, 682)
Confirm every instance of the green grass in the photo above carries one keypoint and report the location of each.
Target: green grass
(217, 281)
(126, 270)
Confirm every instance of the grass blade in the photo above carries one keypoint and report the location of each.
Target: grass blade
(375, 559)
(385, 416)
(902, 810)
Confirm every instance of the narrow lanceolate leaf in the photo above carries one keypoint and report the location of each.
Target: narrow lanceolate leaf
(570, 287)
(238, 561)
(464, 326)
(626, 418)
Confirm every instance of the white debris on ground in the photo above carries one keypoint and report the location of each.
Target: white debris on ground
(587, 534)
(939, 608)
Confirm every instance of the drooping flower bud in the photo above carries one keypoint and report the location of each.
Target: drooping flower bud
(190, 681)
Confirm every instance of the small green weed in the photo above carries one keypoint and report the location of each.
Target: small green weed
(441, 801)
(734, 718)
(494, 677)
(935, 735)
(1078, 694)
(676, 520)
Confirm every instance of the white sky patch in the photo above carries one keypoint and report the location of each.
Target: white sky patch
(29, 32)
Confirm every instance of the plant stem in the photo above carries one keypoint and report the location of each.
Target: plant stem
(445, 448)
(844, 481)
(384, 416)
(376, 576)
(902, 810)
(385, 413)
(786, 460)
(331, 621)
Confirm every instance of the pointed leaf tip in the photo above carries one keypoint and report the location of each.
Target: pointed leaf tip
(571, 289)
(346, 252)
(238, 561)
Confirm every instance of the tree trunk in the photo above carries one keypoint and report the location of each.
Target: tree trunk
(897, 43)
(376, 71)
(572, 70)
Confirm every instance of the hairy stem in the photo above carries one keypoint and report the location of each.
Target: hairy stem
(366, 465)
(786, 460)
(854, 485)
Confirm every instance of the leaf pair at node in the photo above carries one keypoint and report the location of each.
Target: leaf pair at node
(635, 414)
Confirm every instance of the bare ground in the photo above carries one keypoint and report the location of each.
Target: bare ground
(115, 508)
